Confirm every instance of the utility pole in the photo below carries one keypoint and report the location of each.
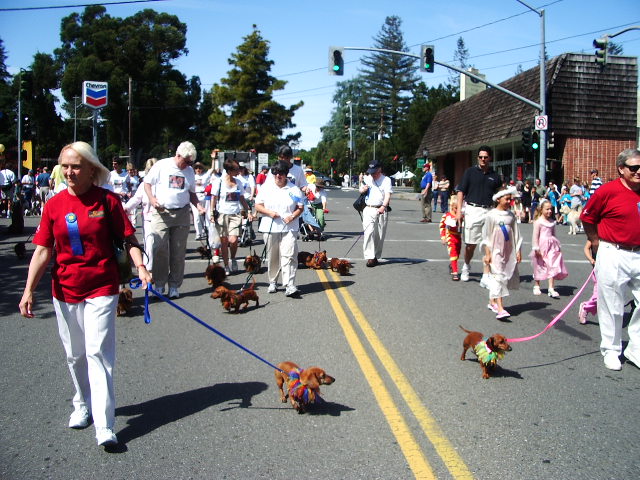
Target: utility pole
(542, 167)
(130, 105)
(352, 147)
(75, 118)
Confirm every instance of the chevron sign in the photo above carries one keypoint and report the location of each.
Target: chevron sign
(94, 94)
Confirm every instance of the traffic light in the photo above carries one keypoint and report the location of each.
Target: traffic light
(601, 52)
(551, 141)
(26, 128)
(426, 58)
(336, 62)
(527, 139)
(535, 141)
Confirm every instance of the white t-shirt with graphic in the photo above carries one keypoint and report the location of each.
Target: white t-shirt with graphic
(172, 185)
(283, 200)
(117, 181)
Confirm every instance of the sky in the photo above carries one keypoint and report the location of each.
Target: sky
(499, 35)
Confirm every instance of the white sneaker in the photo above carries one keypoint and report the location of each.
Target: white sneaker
(629, 356)
(612, 360)
(79, 418)
(173, 292)
(234, 265)
(160, 289)
(291, 291)
(272, 288)
(227, 272)
(105, 437)
(484, 280)
(464, 275)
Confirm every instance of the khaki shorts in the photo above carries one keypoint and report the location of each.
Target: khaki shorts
(229, 225)
(473, 224)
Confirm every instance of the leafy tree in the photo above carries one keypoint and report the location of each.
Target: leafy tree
(96, 46)
(389, 80)
(7, 104)
(245, 115)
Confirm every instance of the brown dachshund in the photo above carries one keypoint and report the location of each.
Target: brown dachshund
(302, 385)
(243, 297)
(488, 351)
(341, 266)
(215, 275)
(316, 260)
(125, 302)
(252, 263)
(224, 294)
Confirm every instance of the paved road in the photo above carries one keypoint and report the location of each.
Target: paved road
(191, 405)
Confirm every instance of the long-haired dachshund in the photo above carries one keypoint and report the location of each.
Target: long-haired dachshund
(252, 263)
(488, 350)
(125, 302)
(224, 294)
(215, 275)
(340, 265)
(315, 260)
(205, 252)
(302, 386)
(243, 297)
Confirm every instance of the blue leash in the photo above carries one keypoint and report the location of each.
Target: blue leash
(137, 283)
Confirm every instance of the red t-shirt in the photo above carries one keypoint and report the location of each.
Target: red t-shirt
(616, 211)
(94, 273)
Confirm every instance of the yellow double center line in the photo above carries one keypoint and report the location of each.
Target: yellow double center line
(408, 444)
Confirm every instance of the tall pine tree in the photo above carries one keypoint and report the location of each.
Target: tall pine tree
(245, 116)
(389, 80)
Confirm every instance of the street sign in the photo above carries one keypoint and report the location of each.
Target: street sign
(542, 122)
(94, 94)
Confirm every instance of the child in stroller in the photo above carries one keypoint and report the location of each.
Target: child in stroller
(309, 227)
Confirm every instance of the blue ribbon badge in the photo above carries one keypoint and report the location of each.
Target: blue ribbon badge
(505, 232)
(74, 233)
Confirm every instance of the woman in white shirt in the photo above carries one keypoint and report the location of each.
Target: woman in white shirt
(281, 203)
(230, 201)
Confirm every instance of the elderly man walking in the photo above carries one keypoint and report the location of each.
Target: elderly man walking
(608, 219)
(173, 181)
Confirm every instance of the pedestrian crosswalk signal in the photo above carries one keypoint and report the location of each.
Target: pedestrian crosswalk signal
(336, 61)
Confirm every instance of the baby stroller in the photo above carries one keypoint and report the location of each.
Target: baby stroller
(310, 229)
(247, 235)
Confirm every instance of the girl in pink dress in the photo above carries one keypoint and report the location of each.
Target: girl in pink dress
(501, 241)
(591, 305)
(546, 256)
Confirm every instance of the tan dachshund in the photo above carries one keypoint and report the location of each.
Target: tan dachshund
(488, 351)
(302, 385)
(316, 260)
(252, 263)
(341, 266)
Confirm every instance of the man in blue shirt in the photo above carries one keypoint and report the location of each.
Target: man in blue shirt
(426, 195)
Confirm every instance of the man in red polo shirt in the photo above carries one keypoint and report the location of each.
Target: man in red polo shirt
(611, 220)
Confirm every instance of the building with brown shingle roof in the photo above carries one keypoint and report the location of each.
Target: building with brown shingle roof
(592, 114)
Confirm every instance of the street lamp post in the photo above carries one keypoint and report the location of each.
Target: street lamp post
(352, 149)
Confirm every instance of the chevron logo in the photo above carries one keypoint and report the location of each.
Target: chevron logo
(94, 94)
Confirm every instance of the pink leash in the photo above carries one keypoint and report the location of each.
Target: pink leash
(557, 317)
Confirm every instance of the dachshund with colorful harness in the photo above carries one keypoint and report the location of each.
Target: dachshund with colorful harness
(302, 385)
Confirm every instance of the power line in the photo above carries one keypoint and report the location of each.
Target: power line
(52, 7)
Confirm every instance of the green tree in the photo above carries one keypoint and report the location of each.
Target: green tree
(7, 104)
(460, 59)
(614, 48)
(426, 103)
(245, 115)
(96, 46)
(389, 80)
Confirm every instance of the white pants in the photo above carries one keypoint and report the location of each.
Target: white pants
(148, 243)
(616, 269)
(282, 256)
(88, 333)
(375, 229)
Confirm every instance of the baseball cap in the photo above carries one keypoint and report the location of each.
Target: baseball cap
(373, 166)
